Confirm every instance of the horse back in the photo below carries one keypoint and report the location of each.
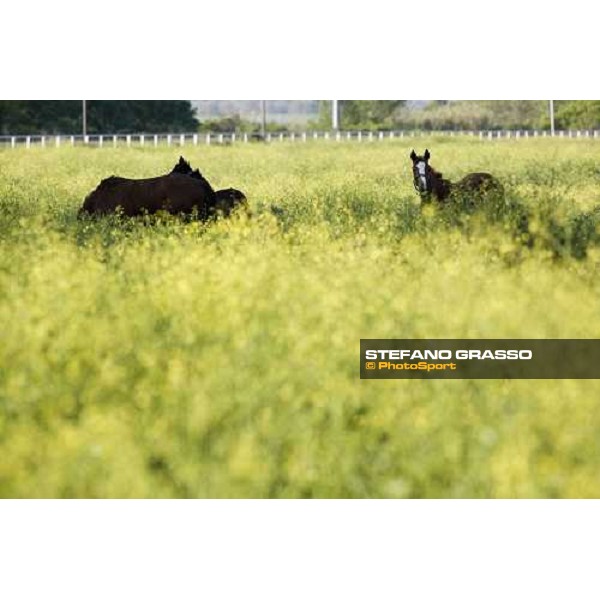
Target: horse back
(479, 181)
(173, 192)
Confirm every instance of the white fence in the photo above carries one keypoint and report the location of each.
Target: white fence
(196, 139)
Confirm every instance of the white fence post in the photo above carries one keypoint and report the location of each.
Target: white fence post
(245, 138)
(220, 138)
(208, 139)
(338, 136)
(128, 138)
(142, 138)
(195, 139)
(169, 139)
(304, 136)
(114, 141)
(28, 142)
(100, 141)
(13, 141)
(57, 141)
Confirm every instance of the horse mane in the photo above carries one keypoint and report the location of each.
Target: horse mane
(183, 167)
(195, 174)
(443, 185)
(436, 173)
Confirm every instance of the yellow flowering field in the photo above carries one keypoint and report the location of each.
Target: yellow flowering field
(155, 357)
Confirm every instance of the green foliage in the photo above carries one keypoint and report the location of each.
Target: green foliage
(103, 116)
(577, 114)
(368, 114)
(236, 124)
(45, 116)
(151, 116)
(474, 115)
(361, 114)
(501, 114)
(516, 114)
(162, 358)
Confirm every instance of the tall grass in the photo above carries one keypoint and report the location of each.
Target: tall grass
(157, 358)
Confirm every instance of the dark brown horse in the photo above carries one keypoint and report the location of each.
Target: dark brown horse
(429, 183)
(182, 191)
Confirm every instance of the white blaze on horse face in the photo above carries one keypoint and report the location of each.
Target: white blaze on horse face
(422, 167)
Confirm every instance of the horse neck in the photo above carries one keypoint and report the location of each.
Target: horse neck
(441, 187)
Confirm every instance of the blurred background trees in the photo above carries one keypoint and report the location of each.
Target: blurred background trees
(160, 116)
(577, 114)
(499, 114)
(461, 114)
(103, 116)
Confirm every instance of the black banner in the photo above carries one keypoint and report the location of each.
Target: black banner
(480, 359)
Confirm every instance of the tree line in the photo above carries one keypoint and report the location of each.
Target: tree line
(103, 116)
(464, 114)
(18, 117)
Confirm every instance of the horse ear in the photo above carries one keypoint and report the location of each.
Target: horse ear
(413, 155)
(426, 155)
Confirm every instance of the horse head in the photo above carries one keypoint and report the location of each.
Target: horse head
(422, 173)
(228, 200)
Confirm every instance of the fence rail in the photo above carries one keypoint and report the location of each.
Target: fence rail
(197, 139)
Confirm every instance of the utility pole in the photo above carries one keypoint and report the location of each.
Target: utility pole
(84, 119)
(263, 125)
(335, 115)
(551, 107)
